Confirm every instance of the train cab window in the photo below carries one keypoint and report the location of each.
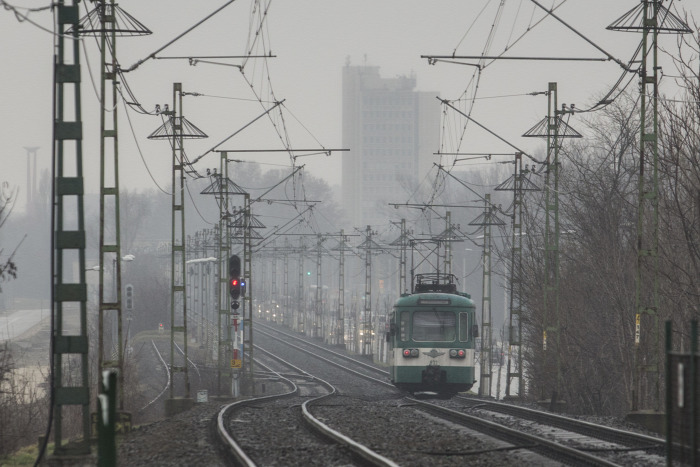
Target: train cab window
(404, 321)
(464, 327)
(434, 326)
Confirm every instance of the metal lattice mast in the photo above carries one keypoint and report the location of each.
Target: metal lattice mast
(514, 366)
(403, 284)
(402, 243)
(367, 319)
(178, 277)
(300, 296)
(286, 310)
(486, 220)
(317, 327)
(273, 291)
(108, 21)
(554, 129)
(69, 293)
(448, 243)
(222, 188)
(112, 356)
(486, 334)
(340, 332)
(248, 299)
(551, 234)
(176, 129)
(515, 327)
(225, 349)
(650, 18)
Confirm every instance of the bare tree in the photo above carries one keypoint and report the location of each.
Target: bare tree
(8, 196)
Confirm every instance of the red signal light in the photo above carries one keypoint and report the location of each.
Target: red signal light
(406, 352)
(460, 353)
(234, 282)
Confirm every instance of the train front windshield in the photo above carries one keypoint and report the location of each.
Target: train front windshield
(434, 326)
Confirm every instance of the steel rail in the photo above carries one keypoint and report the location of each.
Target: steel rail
(530, 442)
(227, 440)
(167, 372)
(357, 448)
(627, 438)
(320, 347)
(193, 364)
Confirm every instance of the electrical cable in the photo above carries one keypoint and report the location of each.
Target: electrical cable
(52, 242)
(138, 147)
(180, 36)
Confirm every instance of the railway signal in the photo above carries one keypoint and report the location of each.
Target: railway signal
(235, 283)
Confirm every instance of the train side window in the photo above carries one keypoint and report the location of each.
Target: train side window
(404, 321)
(464, 327)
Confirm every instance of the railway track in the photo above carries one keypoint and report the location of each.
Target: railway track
(559, 438)
(352, 364)
(636, 441)
(166, 367)
(241, 427)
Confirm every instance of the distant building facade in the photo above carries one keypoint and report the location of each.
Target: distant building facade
(392, 132)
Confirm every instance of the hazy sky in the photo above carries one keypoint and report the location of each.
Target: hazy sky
(312, 40)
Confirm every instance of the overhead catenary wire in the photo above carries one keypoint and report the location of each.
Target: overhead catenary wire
(138, 147)
(178, 37)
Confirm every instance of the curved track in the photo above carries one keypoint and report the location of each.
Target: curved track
(556, 449)
(304, 390)
(167, 379)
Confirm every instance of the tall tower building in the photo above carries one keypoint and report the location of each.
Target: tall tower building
(392, 132)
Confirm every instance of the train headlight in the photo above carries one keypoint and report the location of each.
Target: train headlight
(410, 353)
(414, 353)
(458, 353)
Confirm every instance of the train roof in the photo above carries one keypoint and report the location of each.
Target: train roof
(435, 298)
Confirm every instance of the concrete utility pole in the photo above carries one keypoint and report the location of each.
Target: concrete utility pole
(651, 19)
(69, 293)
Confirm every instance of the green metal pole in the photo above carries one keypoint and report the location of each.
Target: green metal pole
(68, 293)
(693, 391)
(669, 399)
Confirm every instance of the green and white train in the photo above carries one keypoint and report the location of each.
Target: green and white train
(432, 335)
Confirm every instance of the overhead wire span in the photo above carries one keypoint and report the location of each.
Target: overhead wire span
(446, 102)
(596, 46)
(21, 18)
(213, 148)
(530, 27)
(138, 147)
(178, 37)
(189, 193)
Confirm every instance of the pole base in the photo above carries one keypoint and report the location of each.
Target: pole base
(649, 419)
(178, 405)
